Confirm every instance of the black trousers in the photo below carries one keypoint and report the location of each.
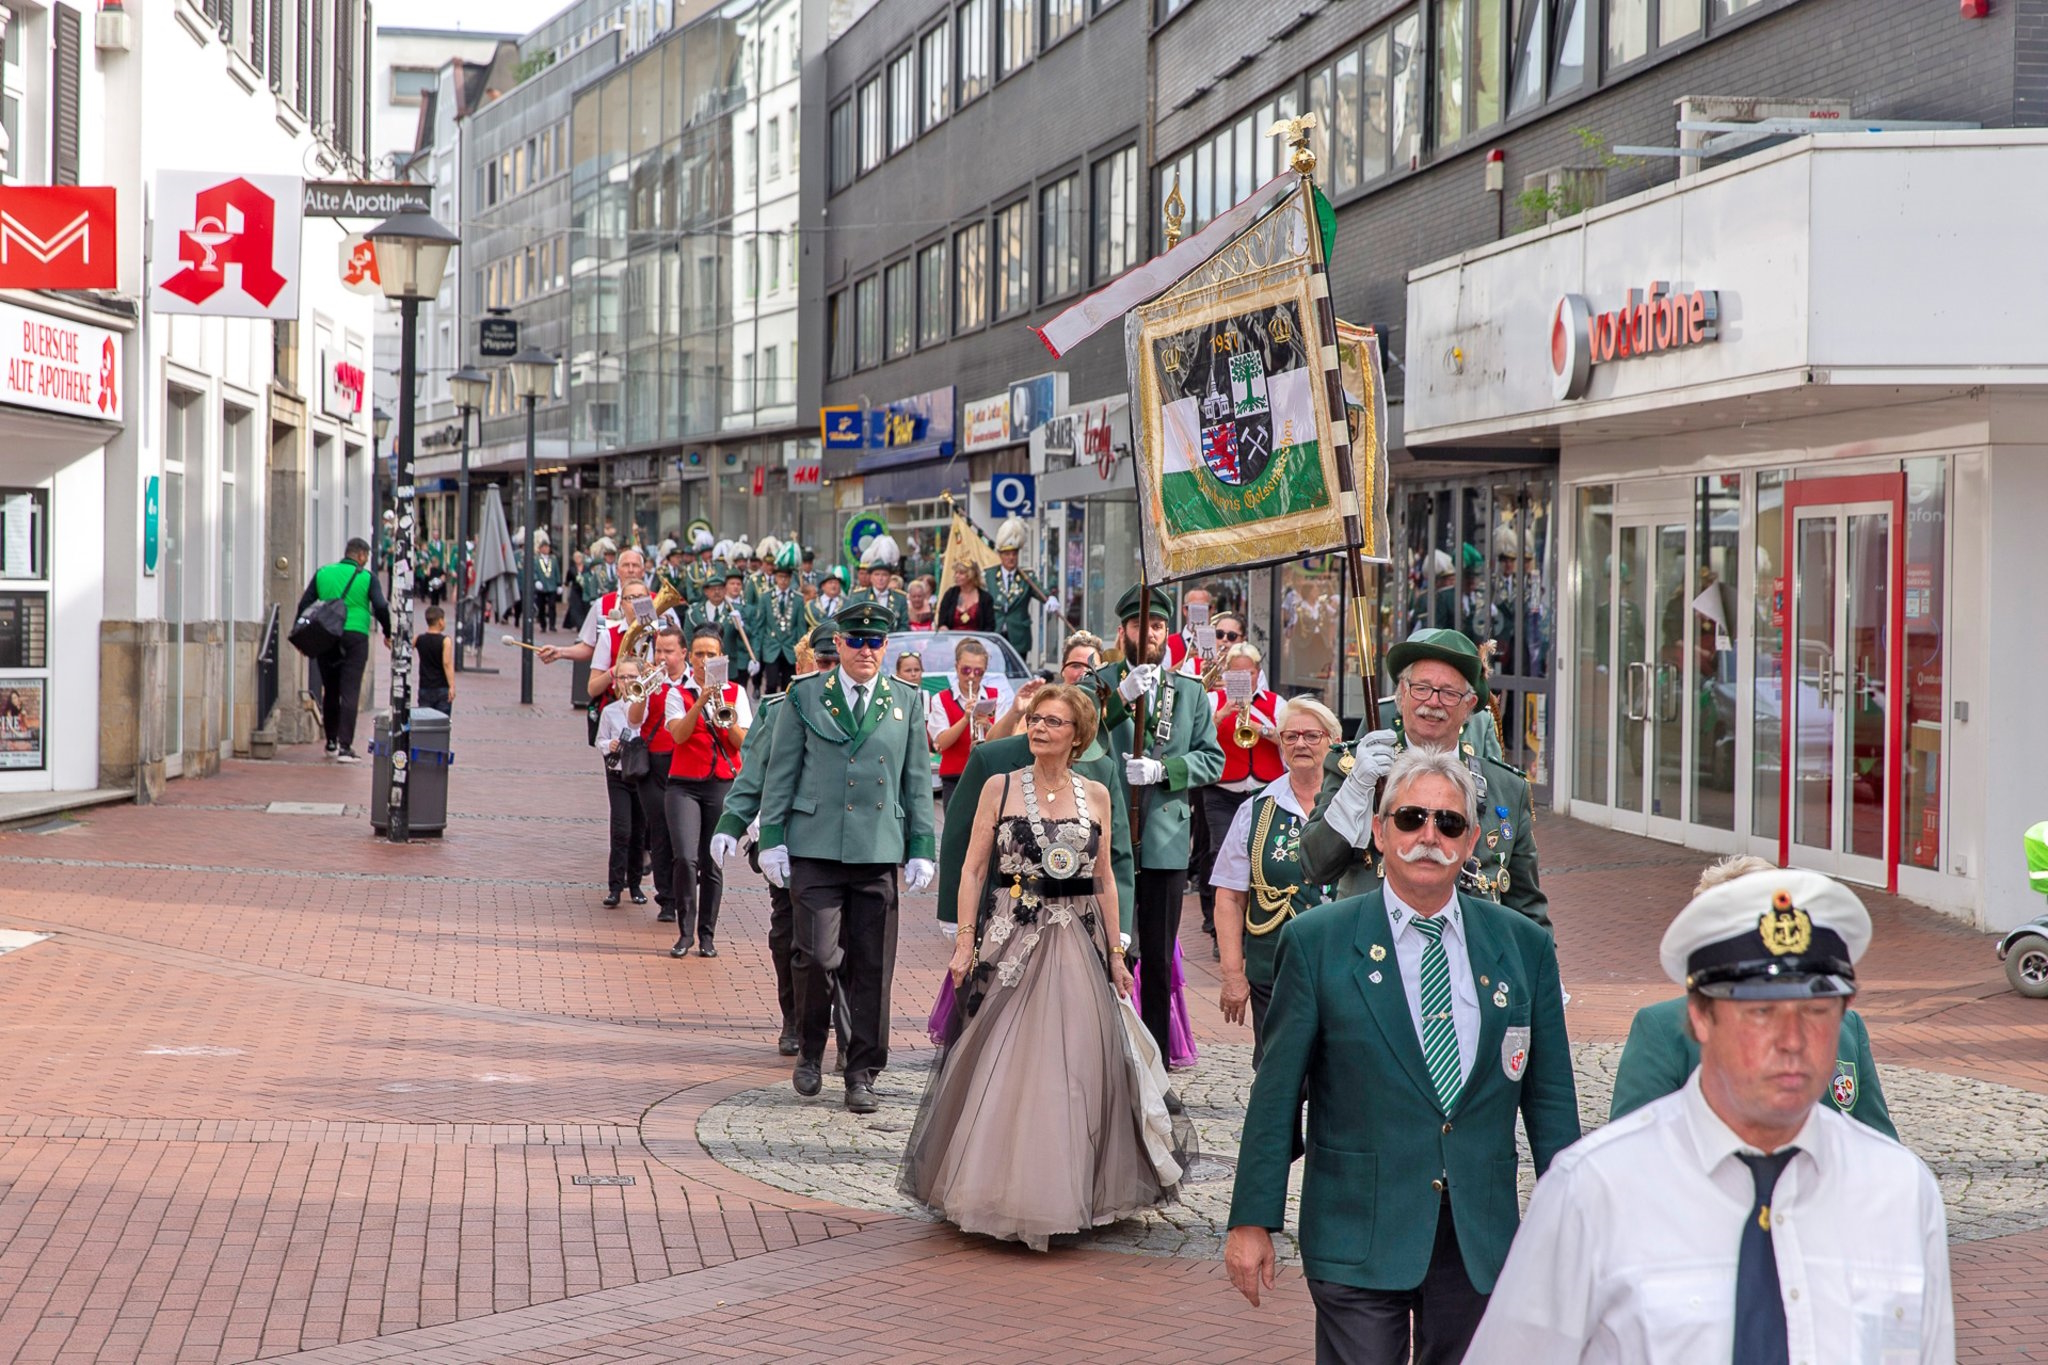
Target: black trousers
(1214, 810)
(624, 802)
(341, 686)
(1158, 921)
(947, 784)
(435, 698)
(544, 610)
(845, 930)
(775, 676)
(693, 805)
(1372, 1326)
(653, 791)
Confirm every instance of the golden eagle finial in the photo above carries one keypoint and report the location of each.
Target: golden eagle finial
(1295, 130)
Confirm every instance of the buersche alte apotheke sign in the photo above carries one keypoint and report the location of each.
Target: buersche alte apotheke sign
(1653, 321)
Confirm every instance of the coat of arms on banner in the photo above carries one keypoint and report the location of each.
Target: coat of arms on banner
(1237, 454)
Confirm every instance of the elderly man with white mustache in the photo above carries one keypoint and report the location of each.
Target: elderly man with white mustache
(1439, 684)
(1419, 1021)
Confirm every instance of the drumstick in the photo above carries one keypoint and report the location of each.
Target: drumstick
(517, 643)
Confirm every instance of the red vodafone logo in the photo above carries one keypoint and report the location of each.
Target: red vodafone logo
(1652, 321)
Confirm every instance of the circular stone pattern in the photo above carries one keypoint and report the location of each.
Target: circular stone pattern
(1979, 1138)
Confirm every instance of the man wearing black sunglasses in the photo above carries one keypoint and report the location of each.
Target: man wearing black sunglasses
(1440, 683)
(1420, 1020)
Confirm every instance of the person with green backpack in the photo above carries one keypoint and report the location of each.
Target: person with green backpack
(349, 581)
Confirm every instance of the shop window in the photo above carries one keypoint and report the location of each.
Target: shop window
(24, 533)
(1925, 683)
(1767, 621)
(1592, 666)
(1013, 263)
(970, 26)
(1713, 622)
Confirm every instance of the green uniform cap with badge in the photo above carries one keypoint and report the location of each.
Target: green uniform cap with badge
(1453, 647)
(1128, 606)
(1779, 935)
(825, 635)
(870, 618)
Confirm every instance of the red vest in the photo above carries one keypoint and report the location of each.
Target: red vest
(654, 728)
(1263, 759)
(708, 752)
(953, 761)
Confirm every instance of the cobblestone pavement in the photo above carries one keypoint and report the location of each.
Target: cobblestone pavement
(271, 1088)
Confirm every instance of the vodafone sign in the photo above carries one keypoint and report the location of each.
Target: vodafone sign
(1652, 322)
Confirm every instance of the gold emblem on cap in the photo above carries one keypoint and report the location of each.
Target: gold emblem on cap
(1785, 928)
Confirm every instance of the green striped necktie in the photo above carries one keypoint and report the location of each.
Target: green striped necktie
(1439, 1033)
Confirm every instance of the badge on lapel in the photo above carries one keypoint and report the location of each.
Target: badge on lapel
(1842, 1089)
(1374, 978)
(898, 712)
(1514, 1053)
(1500, 999)
(1377, 953)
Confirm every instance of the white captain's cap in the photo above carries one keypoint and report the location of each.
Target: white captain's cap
(1784, 934)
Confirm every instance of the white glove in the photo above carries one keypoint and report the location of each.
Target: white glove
(1138, 682)
(723, 846)
(1350, 810)
(775, 865)
(1052, 606)
(753, 668)
(918, 874)
(1143, 772)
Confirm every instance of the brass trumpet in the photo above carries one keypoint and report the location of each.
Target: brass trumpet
(720, 712)
(1246, 735)
(665, 601)
(639, 689)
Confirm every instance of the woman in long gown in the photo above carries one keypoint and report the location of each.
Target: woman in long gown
(1036, 1119)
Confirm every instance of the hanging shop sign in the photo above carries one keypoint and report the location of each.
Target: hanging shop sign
(362, 199)
(226, 246)
(58, 237)
(59, 365)
(1651, 322)
(341, 386)
(806, 476)
(987, 423)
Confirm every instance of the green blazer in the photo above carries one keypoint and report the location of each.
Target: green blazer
(728, 624)
(1379, 1144)
(845, 794)
(992, 759)
(1191, 754)
(743, 798)
(1660, 1055)
(897, 603)
(777, 643)
(1506, 848)
(1012, 605)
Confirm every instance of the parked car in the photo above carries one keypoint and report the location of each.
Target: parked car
(1006, 669)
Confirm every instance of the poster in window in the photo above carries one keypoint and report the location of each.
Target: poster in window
(21, 724)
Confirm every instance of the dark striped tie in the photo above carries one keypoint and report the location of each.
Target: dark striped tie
(1439, 1033)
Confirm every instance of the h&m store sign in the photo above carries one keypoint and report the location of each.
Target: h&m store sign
(1652, 322)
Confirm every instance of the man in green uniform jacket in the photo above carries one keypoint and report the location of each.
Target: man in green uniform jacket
(847, 798)
(1012, 593)
(1439, 682)
(1417, 1021)
(993, 758)
(779, 623)
(1179, 753)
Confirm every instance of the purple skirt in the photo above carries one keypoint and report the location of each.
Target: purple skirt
(1180, 1035)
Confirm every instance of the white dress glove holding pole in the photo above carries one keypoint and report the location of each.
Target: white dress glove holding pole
(1143, 772)
(918, 874)
(723, 846)
(775, 865)
(1138, 682)
(1350, 812)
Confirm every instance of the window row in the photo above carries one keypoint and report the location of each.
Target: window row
(761, 150)
(524, 274)
(518, 169)
(956, 61)
(1408, 86)
(1040, 247)
(768, 265)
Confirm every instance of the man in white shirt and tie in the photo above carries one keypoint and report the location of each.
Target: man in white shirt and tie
(1739, 1220)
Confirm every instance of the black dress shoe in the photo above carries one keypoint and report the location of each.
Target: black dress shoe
(611, 901)
(639, 896)
(806, 1080)
(787, 1044)
(707, 949)
(665, 917)
(681, 949)
(861, 1097)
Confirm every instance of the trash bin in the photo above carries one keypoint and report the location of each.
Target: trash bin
(430, 760)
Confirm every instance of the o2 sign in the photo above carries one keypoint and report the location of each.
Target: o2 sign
(1014, 495)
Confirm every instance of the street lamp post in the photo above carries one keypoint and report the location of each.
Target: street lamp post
(533, 378)
(469, 387)
(412, 254)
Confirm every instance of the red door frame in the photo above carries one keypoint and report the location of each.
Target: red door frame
(1800, 493)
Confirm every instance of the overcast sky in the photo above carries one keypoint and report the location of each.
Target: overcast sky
(489, 16)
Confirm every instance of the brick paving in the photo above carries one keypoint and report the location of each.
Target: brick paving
(275, 1089)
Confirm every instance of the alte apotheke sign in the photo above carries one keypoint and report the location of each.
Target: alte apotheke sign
(1651, 322)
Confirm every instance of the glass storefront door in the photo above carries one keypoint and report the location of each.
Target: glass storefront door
(1652, 701)
(1838, 743)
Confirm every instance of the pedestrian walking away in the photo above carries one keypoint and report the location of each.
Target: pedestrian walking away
(341, 668)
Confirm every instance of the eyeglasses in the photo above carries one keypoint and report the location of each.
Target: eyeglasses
(1317, 736)
(1443, 696)
(1046, 720)
(1449, 823)
(1230, 635)
(862, 641)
